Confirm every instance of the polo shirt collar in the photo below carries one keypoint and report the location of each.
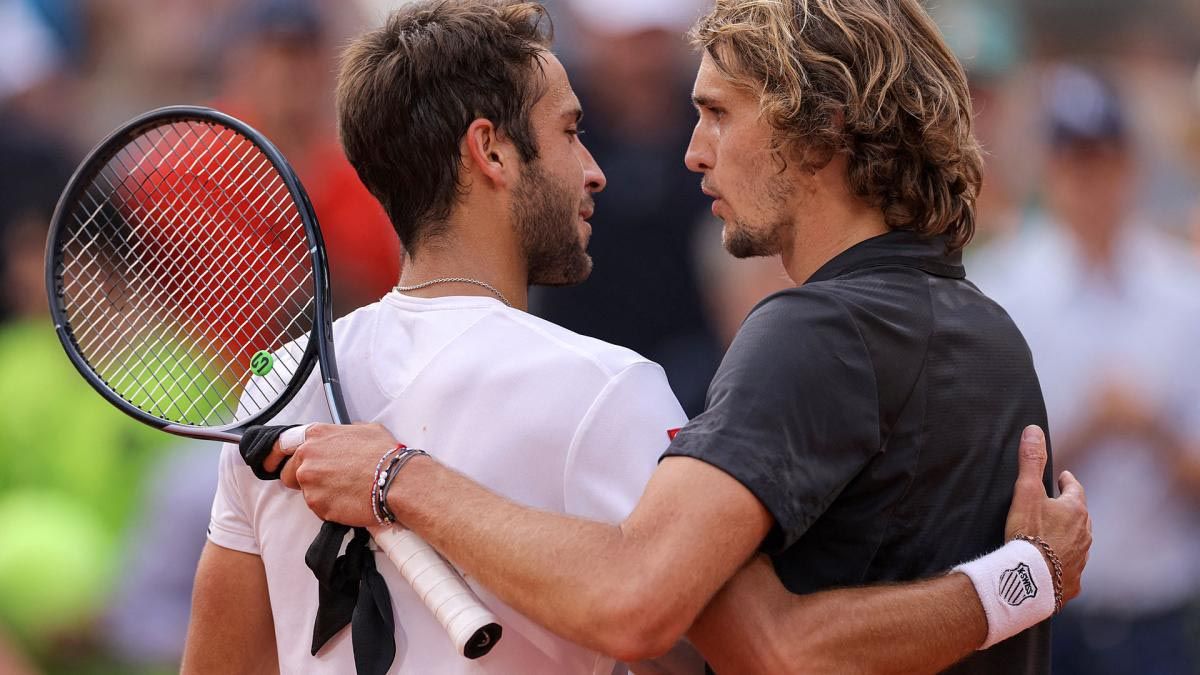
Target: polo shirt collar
(895, 248)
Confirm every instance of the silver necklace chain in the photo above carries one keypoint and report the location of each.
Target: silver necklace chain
(456, 280)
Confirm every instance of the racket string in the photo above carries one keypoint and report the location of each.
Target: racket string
(190, 252)
(137, 320)
(241, 265)
(129, 377)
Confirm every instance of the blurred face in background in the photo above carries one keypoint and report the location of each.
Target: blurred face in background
(1090, 185)
(755, 192)
(275, 79)
(24, 247)
(633, 80)
(553, 200)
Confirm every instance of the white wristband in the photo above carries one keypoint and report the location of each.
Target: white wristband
(1015, 587)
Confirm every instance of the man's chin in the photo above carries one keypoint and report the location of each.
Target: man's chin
(741, 246)
(573, 274)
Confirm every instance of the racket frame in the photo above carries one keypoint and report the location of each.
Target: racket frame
(320, 343)
(473, 628)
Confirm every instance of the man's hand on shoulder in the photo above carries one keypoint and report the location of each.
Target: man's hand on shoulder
(1063, 521)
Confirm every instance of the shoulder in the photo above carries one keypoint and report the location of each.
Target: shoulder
(359, 323)
(802, 303)
(806, 315)
(865, 328)
(603, 384)
(804, 331)
(559, 347)
(444, 348)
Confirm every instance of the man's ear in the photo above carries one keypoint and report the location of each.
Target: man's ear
(489, 154)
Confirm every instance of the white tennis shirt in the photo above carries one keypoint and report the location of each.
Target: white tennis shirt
(543, 416)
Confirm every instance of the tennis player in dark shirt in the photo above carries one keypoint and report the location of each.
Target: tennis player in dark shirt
(862, 425)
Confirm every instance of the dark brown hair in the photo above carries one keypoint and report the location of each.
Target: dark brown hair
(869, 78)
(408, 91)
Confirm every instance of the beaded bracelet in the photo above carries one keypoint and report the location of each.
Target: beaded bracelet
(376, 482)
(1055, 565)
(390, 475)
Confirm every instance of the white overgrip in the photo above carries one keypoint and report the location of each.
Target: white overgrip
(471, 626)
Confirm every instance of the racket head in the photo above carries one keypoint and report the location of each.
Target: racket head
(187, 276)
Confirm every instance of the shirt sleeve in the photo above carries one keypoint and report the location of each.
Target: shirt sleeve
(792, 413)
(618, 443)
(231, 525)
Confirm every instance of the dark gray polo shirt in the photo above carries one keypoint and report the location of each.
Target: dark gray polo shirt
(876, 412)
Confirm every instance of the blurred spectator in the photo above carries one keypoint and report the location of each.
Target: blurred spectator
(146, 622)
(988, 36)
(633, 74)
(34, 163)
(71, 465)
(1193, 153)
(1111, 309)
(277, 65)
(1112, 317)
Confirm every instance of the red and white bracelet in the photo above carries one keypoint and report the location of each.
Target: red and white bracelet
(380, 480)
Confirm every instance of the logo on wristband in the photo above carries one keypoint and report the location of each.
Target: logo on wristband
(1016, 585)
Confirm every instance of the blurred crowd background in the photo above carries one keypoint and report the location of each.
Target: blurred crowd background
(1089, 234)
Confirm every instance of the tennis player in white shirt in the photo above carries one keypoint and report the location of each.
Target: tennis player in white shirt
(465, 127)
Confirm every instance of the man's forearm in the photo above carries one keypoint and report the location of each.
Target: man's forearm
(587, 581)
(917, 628)
(755, 626)
(628, 590)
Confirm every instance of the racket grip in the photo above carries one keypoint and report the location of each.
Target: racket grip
(472, 628)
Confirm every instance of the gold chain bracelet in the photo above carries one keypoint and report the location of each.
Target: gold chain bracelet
(1055, 564)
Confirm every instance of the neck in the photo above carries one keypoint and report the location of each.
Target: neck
(456, 254)
(827, 227)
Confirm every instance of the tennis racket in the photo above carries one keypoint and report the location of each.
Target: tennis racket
(188, 284)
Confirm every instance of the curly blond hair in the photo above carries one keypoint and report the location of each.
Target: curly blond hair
(869, 78)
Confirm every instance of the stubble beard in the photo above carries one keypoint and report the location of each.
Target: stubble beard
(758, 240)
(545, 212)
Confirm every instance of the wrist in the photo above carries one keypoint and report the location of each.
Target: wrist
(1052, 563)
(386, 475)
(1015, 586)
(406, 485)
